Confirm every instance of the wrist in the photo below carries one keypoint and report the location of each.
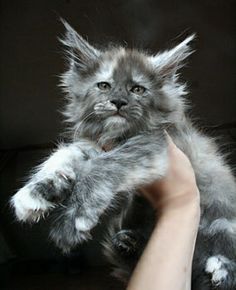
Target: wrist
(186, 206)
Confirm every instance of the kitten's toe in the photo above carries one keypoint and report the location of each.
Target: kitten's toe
(127, 242)
(222, 272)
(84, 224)
(56, 187)
(29, 207)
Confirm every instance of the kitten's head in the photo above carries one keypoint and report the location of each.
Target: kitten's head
(118, 92)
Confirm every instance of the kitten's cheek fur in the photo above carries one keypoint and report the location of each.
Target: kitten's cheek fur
(29, 208)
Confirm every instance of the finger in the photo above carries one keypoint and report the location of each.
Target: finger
(170, 140)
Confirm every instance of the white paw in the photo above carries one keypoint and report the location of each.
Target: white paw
(28, 207)
(215, 266)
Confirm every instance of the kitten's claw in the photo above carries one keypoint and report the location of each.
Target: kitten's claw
(127, 242)
(38, 197)
(29, 207)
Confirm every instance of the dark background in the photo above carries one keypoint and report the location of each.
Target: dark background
(30, 101)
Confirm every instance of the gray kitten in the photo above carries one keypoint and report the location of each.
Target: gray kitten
(124, 99)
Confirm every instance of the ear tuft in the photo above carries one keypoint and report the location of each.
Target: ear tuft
(167, 63)
(80, 52)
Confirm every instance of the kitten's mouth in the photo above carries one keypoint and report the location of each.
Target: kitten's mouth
(118, 114)
(118, 118)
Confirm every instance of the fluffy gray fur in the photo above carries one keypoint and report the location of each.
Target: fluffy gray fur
(124, 99)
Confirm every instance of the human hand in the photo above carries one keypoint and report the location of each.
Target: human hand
(178, 188)
(176, 200)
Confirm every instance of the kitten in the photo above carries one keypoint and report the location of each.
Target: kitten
(124, 99)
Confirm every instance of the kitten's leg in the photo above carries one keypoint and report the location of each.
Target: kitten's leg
(215, 252)
(52, 182)
(123, 249)
(139, 161)
(127, 235)
(216, 272)
(214, 263)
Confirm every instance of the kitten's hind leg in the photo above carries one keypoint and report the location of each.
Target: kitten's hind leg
(218, 274)
(215, 252)
(123, 249)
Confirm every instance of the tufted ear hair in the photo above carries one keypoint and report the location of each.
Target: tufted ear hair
(167, 63)
(80, 52)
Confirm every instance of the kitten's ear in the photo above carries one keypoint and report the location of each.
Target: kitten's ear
(168, 62)
(80, 52)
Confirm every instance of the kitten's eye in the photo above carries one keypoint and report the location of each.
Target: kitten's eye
(138, 90)
(104, 86)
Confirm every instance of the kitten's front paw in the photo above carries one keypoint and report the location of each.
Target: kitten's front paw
(222, 272)
(41, 195)
(29, 207)
(68, 231)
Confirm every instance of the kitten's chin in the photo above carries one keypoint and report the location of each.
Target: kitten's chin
(115, 122)
(113, 127)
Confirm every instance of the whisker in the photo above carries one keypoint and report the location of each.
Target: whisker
(78, 127)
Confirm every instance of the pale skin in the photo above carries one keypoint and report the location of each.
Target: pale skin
(167, 259)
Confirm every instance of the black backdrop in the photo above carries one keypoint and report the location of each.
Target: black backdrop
(31, 61)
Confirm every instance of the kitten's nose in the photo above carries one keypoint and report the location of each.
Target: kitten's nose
(119, 103)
